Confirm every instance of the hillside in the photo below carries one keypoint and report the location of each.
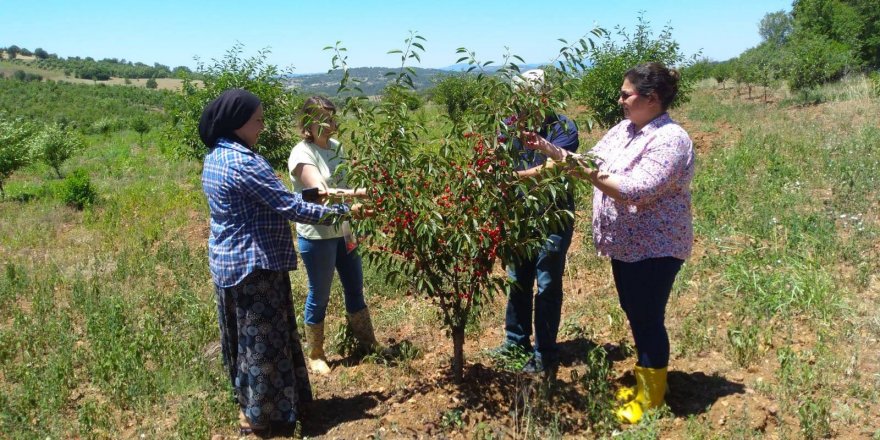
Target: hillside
(374, 79)
(8, 69)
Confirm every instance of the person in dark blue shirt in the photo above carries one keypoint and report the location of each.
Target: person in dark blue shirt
(542, 310)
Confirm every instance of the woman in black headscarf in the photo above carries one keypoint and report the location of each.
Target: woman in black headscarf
(250, 251)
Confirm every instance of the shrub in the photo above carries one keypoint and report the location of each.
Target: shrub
(104, 126)
(152, 83)
(77, 190)
(601, 83)
(252, 74)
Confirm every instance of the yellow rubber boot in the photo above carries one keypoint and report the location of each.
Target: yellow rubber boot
(650, 389)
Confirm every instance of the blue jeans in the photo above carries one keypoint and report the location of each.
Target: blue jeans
(546, 268)
(320, 257)
(643, 288)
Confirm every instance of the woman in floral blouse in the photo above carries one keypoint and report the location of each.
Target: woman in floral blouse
(642, 218)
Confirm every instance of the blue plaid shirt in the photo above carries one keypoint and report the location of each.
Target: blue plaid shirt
(250, 211)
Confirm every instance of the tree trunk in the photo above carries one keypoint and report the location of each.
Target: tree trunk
(458, 353)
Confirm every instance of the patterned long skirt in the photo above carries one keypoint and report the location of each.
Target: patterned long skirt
(262, 350)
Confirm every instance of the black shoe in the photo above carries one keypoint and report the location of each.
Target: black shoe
(537, 366)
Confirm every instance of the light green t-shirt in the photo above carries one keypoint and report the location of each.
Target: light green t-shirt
(325, 160)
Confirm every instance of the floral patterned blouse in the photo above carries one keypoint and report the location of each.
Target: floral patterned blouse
(656, 166)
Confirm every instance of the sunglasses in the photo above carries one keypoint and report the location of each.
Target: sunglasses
(625, 95)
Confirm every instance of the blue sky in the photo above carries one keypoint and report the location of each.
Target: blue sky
(174, 32)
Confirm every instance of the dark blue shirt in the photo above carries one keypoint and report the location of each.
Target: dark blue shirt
(559, 130)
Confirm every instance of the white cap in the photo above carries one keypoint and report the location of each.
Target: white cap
(533, 79)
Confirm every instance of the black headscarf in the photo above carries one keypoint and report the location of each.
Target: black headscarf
(222, 116)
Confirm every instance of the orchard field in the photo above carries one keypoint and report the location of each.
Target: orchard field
(108, 322)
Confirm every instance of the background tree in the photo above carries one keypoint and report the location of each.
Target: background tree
(15, 135)
(816, 60)
(834, 20)
(55, 145)
(868, 12)
(721, 72)
(776, 27)
(12, 51)
(181, 72)
(232, 71)
(402, 95)
(40, 53)
(141, 126)
(762, 65)
(601, 83)
(700, 70)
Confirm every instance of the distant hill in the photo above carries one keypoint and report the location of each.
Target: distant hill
(465, 67)
(372, 80)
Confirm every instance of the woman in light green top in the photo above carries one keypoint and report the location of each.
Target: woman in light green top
(312, 164)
